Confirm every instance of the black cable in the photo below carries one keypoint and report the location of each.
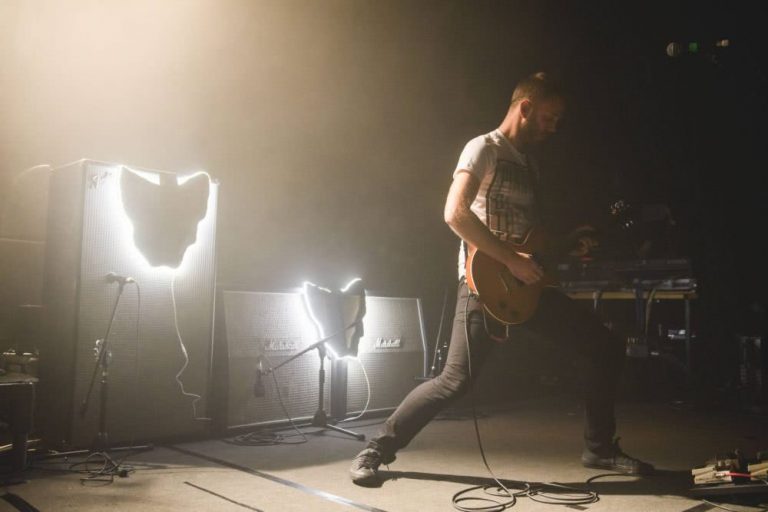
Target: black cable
(261, 437)
(602, 475)
(433, 369)
(56, 467)
(461, 496)
(570, 496)
(103, 475)
(543, 493)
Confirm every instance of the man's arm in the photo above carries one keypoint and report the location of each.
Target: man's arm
(466, 224)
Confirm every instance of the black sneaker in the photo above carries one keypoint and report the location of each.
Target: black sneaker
(365, 466)
(615, 460)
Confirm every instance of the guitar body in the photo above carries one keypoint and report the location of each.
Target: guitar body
(504, 297)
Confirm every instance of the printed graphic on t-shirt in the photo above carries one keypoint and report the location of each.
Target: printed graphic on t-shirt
(510, 208)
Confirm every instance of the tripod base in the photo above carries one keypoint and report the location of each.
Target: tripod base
(320, 420)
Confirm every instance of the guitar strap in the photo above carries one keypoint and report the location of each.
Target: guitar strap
(535, 178)
(465, 250)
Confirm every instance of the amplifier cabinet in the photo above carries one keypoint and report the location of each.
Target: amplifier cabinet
(254, 327)
(265, 329)
(392, 351)
(90, 234)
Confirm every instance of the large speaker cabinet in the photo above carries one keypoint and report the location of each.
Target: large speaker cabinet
(272, 327)
(90, 234)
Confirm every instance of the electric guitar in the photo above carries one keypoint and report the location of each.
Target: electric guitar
(509, 300)
(505, 297)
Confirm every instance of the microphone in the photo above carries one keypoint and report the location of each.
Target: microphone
(258, 385)
(116, 278)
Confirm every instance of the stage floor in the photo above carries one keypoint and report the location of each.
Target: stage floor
(535, 441)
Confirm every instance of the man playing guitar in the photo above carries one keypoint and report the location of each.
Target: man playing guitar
(492, 203)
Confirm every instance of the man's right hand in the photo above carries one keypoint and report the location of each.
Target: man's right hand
(459, 216)
(524, 268)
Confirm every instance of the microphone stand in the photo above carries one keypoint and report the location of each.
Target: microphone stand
(101, 448)
(320, 419)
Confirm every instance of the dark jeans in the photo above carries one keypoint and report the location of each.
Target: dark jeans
(571, 326)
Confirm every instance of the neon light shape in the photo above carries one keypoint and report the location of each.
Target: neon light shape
(318, 324)
(164, 216)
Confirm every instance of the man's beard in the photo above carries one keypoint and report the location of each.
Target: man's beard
(530, 137)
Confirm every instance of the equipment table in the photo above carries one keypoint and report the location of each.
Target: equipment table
(640, 296)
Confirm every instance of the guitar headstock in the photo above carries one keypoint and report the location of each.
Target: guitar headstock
(623, 213)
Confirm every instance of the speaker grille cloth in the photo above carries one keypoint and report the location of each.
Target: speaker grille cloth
(392, 351)
(276, 326)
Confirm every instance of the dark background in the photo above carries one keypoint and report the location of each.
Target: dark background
(334, 126)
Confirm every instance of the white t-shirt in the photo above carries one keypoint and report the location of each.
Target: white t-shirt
(506, 199)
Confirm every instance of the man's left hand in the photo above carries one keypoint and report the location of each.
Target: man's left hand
(583, 238)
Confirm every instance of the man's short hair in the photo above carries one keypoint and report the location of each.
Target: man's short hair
(536, 87)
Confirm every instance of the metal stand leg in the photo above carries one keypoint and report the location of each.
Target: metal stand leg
(101, 448)
(320, 419)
